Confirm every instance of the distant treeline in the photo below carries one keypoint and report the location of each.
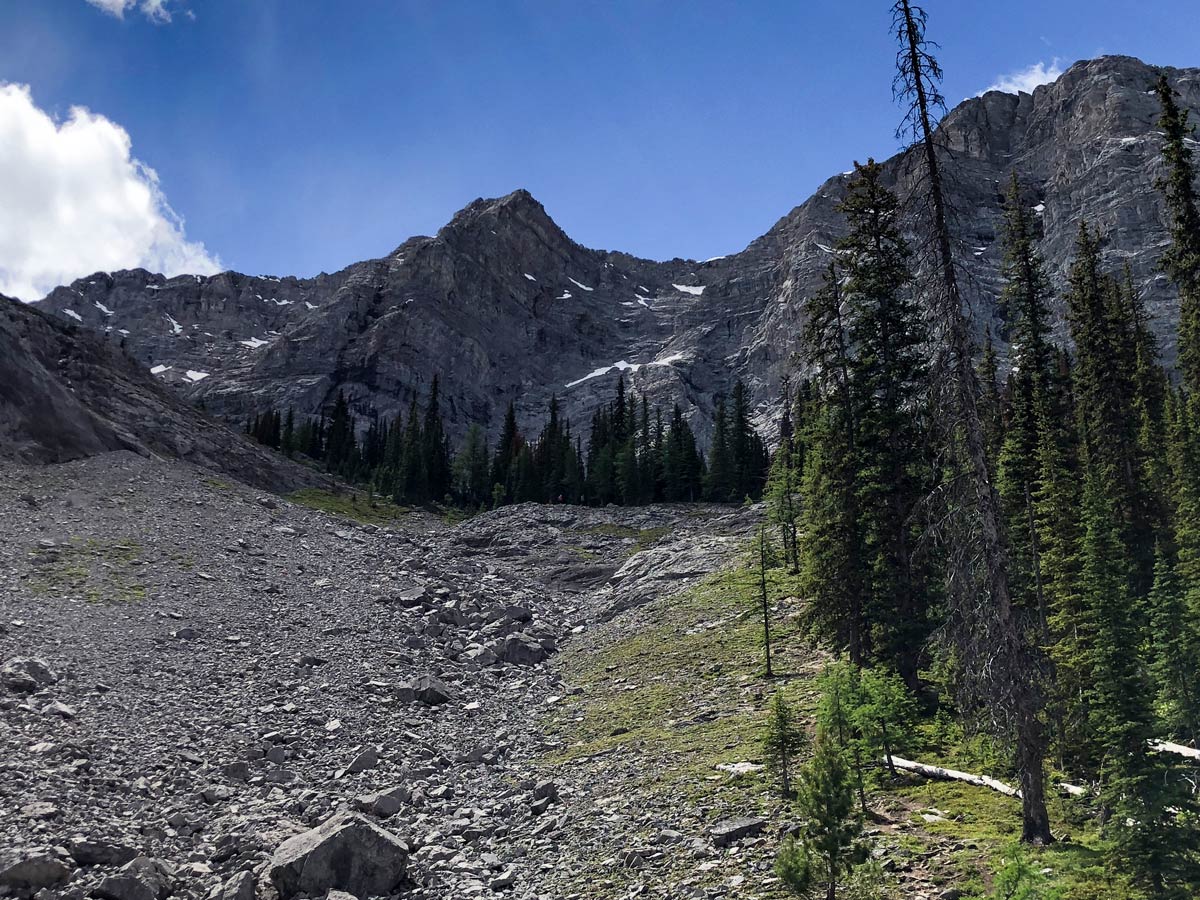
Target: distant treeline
(633, 455)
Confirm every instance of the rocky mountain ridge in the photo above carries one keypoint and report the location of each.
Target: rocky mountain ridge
(505, 307)
(66, 394)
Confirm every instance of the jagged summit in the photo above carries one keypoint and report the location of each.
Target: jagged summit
(503, 217)
(506, 307)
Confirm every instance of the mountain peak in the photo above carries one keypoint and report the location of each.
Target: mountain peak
(518, 210)
(518, 202)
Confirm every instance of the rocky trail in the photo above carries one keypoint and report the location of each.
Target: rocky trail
(197, 674)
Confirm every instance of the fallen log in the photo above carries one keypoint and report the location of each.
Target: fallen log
(1178, 749)
(953, 775)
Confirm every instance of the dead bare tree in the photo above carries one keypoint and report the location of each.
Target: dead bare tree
(1000, 670)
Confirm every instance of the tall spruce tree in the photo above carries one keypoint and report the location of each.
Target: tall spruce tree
(472, 485)
(887, 379)
(721, 484)
(832, 562)
(1024, 301)
(435, 448)
(1105, 392)
(783, 490)
(1175, 654)
(1181, 261)
(1150, 810)
(507, 448)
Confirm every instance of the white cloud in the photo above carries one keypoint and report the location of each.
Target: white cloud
(76, 202)
(154, 10)
(1026, 79)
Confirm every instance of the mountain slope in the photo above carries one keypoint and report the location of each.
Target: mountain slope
(506, 307)
(66, 394)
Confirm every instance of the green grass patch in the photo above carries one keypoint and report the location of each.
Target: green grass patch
(684, 691)
(353, 505)
(99, 571)
(688, 688)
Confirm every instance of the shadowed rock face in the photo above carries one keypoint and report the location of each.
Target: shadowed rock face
(505, 307)
(66, 393)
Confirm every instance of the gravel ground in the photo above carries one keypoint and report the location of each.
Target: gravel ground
(228, 670)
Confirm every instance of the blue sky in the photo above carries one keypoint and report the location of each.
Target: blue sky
(295, 136)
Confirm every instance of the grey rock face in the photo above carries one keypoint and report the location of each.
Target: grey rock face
(507, 308)
(347, 853)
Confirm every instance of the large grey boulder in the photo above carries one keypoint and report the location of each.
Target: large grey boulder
(384, 804)
(142, 878)
(426, 689)
(26, 674)
(31, 870)
(239, 887)
(520, 650)
(346, 853)
(100, 852)
(730, 831)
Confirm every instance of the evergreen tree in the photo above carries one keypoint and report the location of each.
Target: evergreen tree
(1024, 300)
(721, 485)
(887, 715)
(831, 558)
(1098, 314)
(471, 482)
(978, 590)
(828, 846)
(1175, 648)
(506, 452)
(748, 455)
(411, 480)
(1181, 261)
(782, 741)
(887, 375)
(1149, 805)
(991, 405)
(435, 450)
(832, 569)
(289, 433)
(764, 600)
(339, 440)
(682, 467)
(783, 491)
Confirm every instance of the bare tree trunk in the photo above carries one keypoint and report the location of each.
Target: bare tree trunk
(766, 609)
(1012, 661)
